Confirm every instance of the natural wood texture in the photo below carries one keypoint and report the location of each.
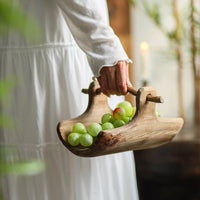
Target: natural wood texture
(145, 130)
(133, 91)
(149, 97)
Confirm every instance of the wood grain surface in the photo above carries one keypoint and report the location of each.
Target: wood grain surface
(145, 130)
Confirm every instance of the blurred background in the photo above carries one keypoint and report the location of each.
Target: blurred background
(13, 168)
(163, 40)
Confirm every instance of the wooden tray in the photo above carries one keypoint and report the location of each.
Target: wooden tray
(145, 130)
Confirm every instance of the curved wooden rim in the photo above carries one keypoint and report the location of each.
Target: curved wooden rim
(145, 130)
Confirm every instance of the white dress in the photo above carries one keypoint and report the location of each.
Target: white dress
(51, 74)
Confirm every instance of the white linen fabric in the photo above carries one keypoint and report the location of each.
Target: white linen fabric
(51, 74)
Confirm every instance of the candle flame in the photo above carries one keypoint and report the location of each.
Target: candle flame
(144, 46)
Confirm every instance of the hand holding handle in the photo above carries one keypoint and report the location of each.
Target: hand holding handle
(133, 91)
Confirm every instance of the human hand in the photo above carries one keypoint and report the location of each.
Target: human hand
(114, 79)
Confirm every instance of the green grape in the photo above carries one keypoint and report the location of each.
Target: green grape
(126, 119)
(119, 113)
(86, 140)
(74, 139)
(107, 118)
(94, 129)
(118, 123)
(79, 128)
(127, 107)
(157, 113)
(107, 126)
(133, 111)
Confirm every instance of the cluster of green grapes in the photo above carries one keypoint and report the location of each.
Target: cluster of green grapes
(120, 116)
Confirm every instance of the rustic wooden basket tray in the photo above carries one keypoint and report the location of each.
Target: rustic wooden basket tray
(145, 130)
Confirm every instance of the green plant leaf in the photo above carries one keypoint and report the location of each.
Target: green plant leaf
(133, 3)
(172, 35)
(6, 122)
(155, 13)
(152, 11)
(6, 85)
(29, 167)
(12, 15)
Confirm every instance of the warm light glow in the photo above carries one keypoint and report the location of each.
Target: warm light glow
(144, 46)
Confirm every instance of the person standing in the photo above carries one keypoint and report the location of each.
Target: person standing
(77, 43)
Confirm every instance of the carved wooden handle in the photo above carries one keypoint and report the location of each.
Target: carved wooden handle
(145, 130)
(133, 91)
(156, 99)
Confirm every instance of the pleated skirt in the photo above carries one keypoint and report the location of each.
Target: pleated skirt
(47, 89)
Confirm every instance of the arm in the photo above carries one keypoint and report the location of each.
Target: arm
(97, 39)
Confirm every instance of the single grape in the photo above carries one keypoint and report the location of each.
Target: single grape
(107, 126)
(133, 111)
(74, 139)
(79, 128)
(127, 107)
(86, 140)
(94, 129)
(126, 119)
(107, 118)
(119, 113)
(118, 123)
(157, 113)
